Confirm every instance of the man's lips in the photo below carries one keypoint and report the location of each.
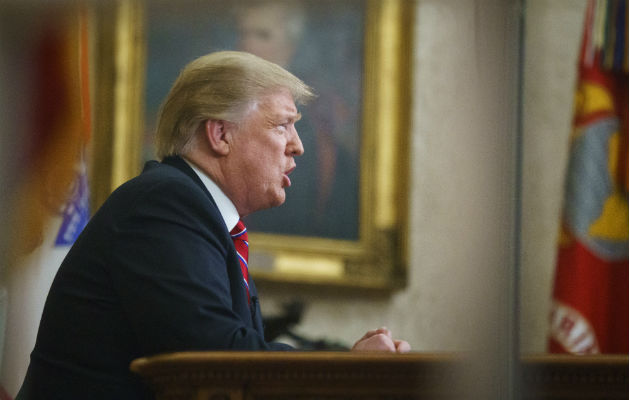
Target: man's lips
(286, 180)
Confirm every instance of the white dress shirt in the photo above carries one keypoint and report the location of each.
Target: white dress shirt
(226, 207)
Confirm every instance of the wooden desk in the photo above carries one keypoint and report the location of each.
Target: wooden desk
(345, 375)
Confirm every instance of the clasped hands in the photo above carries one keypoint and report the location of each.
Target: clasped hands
(381, 340)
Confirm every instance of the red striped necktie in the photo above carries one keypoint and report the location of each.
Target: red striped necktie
(239, 237)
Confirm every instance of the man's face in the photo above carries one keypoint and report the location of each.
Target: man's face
(263, 32)
(264, 146)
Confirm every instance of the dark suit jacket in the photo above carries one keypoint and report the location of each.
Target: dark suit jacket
(154, 271)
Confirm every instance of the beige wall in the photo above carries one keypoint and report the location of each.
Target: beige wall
(462, 188)
(553, 34)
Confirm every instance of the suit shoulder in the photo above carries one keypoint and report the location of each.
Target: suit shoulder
(160, 178)
(160, 187)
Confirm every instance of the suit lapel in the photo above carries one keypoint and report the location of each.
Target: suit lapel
(255, 308)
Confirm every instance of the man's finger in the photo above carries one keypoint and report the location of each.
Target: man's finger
(402, 346)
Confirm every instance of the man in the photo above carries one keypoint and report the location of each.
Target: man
(156, 269)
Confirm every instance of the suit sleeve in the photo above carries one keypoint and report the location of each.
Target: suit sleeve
(169, 266)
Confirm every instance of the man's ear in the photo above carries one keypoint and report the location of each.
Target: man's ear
(217, 133)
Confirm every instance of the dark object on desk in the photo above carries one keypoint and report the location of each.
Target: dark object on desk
(281, 325)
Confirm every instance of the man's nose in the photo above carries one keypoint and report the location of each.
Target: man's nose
(295, 147)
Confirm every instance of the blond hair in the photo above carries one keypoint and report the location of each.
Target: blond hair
(219, 86)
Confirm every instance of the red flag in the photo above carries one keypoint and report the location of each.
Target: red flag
(590, 297)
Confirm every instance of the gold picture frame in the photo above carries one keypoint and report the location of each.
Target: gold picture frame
(378, 258)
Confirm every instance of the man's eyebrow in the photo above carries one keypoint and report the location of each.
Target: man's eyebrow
(291, 117)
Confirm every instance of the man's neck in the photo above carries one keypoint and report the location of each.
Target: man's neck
(226, 206)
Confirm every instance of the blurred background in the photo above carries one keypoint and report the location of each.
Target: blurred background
(495, 95)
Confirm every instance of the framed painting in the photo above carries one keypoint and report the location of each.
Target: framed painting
(344, 219)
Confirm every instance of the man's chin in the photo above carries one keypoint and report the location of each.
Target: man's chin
(276, 202)
(279, 202)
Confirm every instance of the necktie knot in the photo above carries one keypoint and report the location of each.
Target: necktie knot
(239, 231)
(239, 237)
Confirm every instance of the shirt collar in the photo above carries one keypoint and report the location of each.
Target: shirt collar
(226, 207)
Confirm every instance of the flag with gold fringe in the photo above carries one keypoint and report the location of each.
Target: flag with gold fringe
(590, 296)
(53, 176)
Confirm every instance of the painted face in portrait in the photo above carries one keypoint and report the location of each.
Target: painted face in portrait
(269, 31)
(262, 152)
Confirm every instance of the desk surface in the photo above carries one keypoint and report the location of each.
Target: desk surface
(346, 375)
